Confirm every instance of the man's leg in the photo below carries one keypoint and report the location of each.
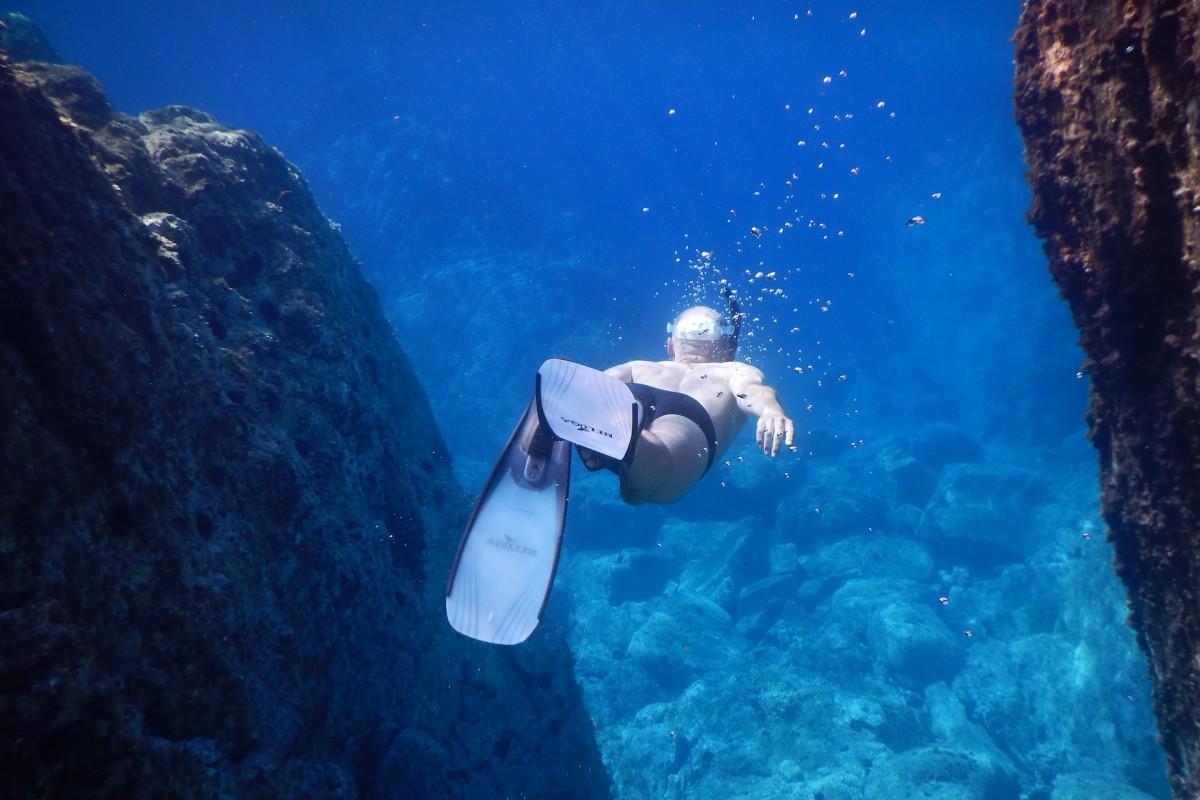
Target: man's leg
(671, 455)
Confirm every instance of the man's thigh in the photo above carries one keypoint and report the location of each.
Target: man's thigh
(670, 457)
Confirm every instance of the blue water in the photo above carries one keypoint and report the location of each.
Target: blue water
(875, 614)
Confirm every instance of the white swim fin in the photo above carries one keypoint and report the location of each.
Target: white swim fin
(507, 556)
(589, 408)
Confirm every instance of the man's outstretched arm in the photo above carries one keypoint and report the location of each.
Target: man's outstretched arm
(754, 397)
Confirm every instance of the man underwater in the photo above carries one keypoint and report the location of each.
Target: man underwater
(697, 402)
(659, 425)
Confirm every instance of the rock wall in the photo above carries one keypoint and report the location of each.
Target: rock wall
(1108, 99)
(226, 514)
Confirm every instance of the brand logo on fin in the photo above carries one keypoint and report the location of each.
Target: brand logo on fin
(512, 545)
(585, 428)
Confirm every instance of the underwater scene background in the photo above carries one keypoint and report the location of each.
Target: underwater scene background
(917, 601)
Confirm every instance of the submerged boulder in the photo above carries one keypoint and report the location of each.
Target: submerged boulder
(688, 637)
(875, 556)
(914, 644)
(940, 443)
(982, 512)
(823, 513)
(940, 772)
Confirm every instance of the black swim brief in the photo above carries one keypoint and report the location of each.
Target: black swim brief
(660, 402)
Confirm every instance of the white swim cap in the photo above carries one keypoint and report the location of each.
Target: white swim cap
(701, 324)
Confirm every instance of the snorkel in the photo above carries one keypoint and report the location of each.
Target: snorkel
(735, 316)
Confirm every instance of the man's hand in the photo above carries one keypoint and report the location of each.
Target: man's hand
(757, 399)
(773, 430)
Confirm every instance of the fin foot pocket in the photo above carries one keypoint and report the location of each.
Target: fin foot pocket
(589, 408)
(537, 452)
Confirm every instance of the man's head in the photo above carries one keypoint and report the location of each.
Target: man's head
(701, 334)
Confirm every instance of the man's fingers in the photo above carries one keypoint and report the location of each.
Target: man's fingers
(774, 432)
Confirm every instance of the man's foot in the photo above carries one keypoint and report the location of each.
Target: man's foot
(592, 460)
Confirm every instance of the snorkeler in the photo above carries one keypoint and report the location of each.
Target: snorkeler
(694, 405)
(659, 425)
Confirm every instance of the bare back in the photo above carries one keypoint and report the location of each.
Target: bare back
(721, 387)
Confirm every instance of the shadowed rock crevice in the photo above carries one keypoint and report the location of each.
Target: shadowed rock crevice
(1109, 103)
(225, 510)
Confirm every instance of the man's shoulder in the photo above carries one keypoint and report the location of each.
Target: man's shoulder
(640, 371)
(642, 364)
(741, 371)
(741, 368)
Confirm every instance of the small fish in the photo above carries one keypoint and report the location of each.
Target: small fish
(741, 395)
(756, 232)
(917, 220)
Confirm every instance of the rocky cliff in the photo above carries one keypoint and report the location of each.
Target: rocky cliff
(1108, 99)
(225, 511)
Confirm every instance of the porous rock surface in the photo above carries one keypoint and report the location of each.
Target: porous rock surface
(225, 511)
(1108, 99)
